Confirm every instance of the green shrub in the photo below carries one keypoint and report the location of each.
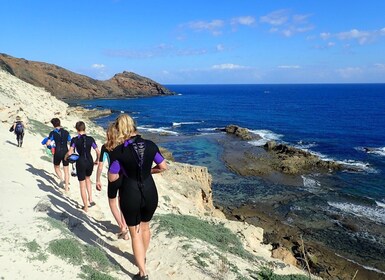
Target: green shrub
(90, 273)
(68, 249)
(194, 228)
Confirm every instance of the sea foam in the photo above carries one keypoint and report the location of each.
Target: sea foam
(376, 214)
(266, 136)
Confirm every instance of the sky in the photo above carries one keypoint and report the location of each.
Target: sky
(202, 41)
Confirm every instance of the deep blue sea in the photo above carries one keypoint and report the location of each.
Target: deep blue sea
(334, 121)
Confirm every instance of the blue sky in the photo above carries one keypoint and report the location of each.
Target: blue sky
(202, 41)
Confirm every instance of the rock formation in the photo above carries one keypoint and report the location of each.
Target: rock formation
(65, 84)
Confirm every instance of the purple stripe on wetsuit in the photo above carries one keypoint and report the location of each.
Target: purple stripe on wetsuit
(158, 158)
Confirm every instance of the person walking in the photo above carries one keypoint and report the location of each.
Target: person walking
(138, 193)
(58, 140)
(18, 128)
(114, 184)
(83, 143)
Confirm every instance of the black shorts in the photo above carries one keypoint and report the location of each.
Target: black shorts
(113, 187)
(58, 157)
(136, 205)
(84, 169)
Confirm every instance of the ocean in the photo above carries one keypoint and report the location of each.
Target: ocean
(335, 121)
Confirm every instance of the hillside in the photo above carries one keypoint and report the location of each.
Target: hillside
(65, 84)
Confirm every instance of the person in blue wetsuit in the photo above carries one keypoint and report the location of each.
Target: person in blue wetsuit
(60, 137)
(138, 193)
(107, 154)
(83, 143)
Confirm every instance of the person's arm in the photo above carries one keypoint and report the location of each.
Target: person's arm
(113, 172)
(161, 164)
(97, 151)
(98, 174)
(70, 152)
(160, 167)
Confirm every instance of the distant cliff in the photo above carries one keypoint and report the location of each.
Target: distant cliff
(65, 84)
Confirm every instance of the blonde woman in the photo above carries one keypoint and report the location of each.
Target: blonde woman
(138, 194)
(107, 152)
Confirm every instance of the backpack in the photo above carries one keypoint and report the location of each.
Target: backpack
(19, 128)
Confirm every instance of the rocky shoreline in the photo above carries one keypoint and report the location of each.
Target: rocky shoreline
(282, 164)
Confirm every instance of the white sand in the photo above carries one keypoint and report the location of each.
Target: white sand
(31, 198)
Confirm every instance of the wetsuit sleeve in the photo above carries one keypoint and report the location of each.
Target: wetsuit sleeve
(50, 136)
(102, 151)
(158, 158)
(114, 167)
(94, 146)
(73, 144)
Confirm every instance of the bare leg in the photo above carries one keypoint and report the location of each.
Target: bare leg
(58, 172)
(89, 189)
(146, 235)
(138, 248)
(83, 194)
(66, 177)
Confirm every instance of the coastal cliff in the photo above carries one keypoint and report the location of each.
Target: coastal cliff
(193, 240)
(65, 84)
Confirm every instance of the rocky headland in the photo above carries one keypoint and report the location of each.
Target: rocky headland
(65, 84)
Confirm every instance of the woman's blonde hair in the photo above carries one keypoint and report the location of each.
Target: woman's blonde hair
(111, 135)
(125, 128)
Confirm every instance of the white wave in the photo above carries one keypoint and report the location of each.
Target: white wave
(210, 129)
(183, 123)
(310, 184)
(376, 214)
(305, 146)
(358, 165)
(364, 266)
(266, 136)
(380, 203)
(160, 130)
(377, 151)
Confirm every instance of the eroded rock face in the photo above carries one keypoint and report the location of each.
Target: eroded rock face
(65, 84)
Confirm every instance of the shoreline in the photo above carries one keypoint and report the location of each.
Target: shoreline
(36, 214)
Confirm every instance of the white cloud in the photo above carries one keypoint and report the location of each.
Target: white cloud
(379, 66)
(245, 20)
(287, 24)
(349, 72)
(289, 66)
(220, 48)
(362, 37)
(213, 26)
(228, 66)
(276, 18)
(98, 66)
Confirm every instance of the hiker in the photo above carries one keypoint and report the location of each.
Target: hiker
(83, 143)
(57, 142)
(107, 153)
(138, 193)
(18, 128)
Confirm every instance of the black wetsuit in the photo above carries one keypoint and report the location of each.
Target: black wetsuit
(113, 187)
(61, 138)
(138, 194)
(85, 163)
